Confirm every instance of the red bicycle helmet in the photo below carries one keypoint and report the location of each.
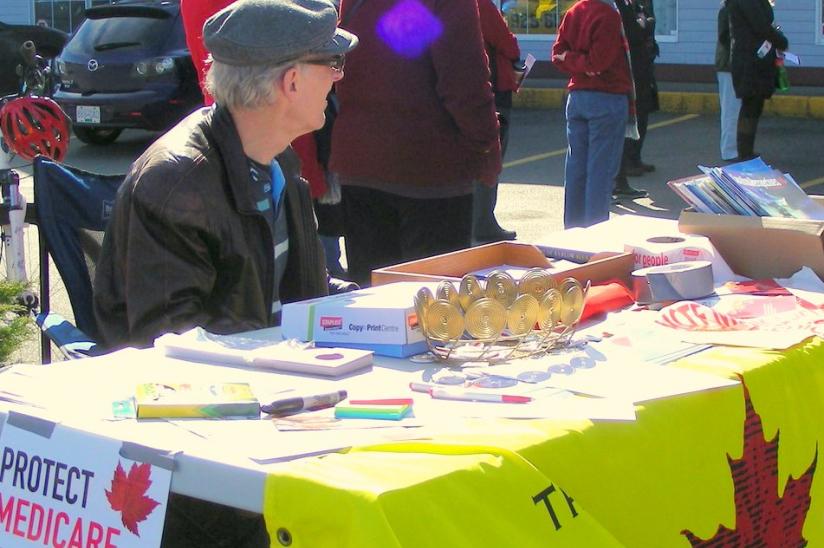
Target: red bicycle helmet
(35, 125)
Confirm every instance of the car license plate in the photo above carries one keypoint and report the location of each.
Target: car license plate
(88, 115)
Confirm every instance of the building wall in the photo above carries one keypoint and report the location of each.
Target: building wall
(16, 12)
(694, 40)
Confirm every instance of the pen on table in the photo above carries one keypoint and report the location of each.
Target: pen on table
(426, 388)
(290, 406)
(463, 395)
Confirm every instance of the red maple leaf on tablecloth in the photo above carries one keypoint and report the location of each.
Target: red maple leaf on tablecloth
(762, 518)
(127, 495)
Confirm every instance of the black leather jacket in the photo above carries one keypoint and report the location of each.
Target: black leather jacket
(186, 245)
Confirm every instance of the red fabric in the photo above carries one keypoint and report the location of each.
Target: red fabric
(590, 34)
(606, 297)
(195, 13)
(497, 36)
(425, 120)
(310, 168)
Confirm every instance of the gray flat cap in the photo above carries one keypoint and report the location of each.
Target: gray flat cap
(272, 32)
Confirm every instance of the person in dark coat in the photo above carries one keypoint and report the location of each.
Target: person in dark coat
(639, 26)
(754, 42)
(503, 52)
(416, 129)
(730, 104)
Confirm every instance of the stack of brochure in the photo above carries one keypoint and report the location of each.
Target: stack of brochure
(747, 188)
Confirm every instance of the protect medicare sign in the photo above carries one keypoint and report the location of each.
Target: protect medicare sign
(63, 488)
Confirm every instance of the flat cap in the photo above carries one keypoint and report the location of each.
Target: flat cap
(273, 32)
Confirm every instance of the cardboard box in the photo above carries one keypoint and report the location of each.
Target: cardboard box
(452, 266)
(761, 247)
(381, 319)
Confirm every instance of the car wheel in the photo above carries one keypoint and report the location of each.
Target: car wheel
(97, 136)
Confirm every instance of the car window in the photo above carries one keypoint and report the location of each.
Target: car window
(120, 32)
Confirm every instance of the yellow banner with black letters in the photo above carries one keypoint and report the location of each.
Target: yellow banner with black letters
(733, 466)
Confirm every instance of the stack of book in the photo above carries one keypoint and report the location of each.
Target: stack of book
(747, 188)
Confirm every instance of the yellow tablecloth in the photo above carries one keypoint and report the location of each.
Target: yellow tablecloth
(733, 466)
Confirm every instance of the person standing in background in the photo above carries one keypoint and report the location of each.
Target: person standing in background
(639, 29)
(730, 104)
(416, 129)
(591, 48)
(503, 52)
(194, 14)
(754, 41)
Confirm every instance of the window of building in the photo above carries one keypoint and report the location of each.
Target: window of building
(65, 15)
(819, 30)
(666, 20)
(542, 17)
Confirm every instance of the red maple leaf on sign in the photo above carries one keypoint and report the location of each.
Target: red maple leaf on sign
(762, 518)
(128, 497)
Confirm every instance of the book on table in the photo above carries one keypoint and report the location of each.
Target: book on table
(215, 400)
(246, 350)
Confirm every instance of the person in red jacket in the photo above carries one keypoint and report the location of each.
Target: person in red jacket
(194, 14)
(503, 52)
(591, 48)
(416, 129)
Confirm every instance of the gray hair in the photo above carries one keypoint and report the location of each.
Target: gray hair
(243, 86)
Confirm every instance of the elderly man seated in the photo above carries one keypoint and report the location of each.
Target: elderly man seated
(213, 226)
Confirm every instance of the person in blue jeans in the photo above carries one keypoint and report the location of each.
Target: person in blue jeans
(592, 49)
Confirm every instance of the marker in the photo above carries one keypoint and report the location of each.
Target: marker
(290, 406)
(424, 387)
(441, 394)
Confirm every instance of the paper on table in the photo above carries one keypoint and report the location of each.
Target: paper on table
(768, 340)
(805, 284)
(624, 378)
(561, 405)
(638, 333)
(264, 443)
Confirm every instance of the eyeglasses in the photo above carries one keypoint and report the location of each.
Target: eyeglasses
(335, 62)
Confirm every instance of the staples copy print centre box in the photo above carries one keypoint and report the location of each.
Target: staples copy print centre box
(381, 319)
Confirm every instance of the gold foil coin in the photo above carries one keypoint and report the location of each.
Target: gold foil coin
(447, 292)
(485, 318)
(522, 315)
(469, 291)
(422, 300)
(501, 287)
(444, 321)
(572, 304)
(549, 312)
(566, 283)
(536, 282)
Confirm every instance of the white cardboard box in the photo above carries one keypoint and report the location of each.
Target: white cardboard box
(380, 318)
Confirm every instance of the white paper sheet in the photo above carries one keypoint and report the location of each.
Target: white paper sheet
(805, 284)
(620, 376)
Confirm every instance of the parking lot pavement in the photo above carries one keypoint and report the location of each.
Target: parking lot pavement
(531, 194)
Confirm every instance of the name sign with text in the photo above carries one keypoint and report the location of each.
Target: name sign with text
(63, 488)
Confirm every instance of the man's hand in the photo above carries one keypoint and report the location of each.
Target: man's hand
(337, 286)
(559, 56)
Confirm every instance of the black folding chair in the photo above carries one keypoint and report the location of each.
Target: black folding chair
(72, 209)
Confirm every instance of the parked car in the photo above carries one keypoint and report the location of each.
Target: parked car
(49, 42)
(127, 66)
